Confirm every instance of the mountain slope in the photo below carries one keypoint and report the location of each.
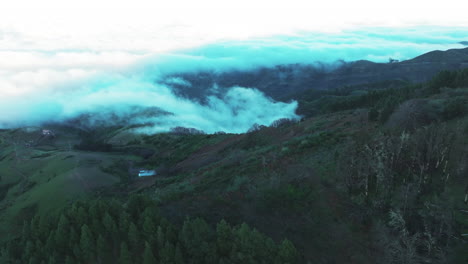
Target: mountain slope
(282, 81)
(375, 176)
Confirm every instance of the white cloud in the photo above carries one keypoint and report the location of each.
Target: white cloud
(59, 59)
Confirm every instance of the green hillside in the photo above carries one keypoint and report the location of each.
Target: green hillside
(374, 174)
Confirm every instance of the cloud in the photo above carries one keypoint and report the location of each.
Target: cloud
(52, 85)
(116, 95)
(375, 44)
(177, 81)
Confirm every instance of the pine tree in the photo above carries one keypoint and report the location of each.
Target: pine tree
(287, 253)
(34, 227)
(39, 246)
(148, 257)
(124, 223)
(109, 225)
(81, 216)
(125, 257)
(52, 259)
(50, 243)
(73, 238)
(224, 238)
(373, 114)
(133, 237)
(197, 238)
(244, 242)
(69, 260)
(4, 255)
(160, 238)
(28, 251)
(61, 234)
(87, 243)
(104, 250)
(171, 233)
(45, 224)
(178, 257)
(77, 251)
(33, 260)
(26, 232)
(95, 210)
(167, 253)
(96, 225)
(149, 230)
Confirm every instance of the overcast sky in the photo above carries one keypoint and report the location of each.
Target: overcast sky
(152, 26)
(52, 41)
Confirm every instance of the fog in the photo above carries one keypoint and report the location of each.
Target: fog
(42, 86)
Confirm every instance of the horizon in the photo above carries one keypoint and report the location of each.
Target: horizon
(88, 52)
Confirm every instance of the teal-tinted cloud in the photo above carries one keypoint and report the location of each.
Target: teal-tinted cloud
(145, 83)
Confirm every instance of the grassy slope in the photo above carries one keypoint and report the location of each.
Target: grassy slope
(44, 178)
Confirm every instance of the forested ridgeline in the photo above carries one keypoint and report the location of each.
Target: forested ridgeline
(107, 231)
(382, 98)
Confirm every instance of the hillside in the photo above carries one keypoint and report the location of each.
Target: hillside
(369, 175)
(283, 81)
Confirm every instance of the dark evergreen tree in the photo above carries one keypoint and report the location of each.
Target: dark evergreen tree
(133, 237)
(160, 239)
(124, 223)
(69, 260)
(61, 234)
(50, 243)
(148, 256)
(28, 251)
(104, 250)
(26, 232)
(125, 256)
(87, 244)
(77, 251)
(224, 238)
(167, 253)
(287, 253)
(196, 242)
(149, 229)
(178, 257)
(373, 114)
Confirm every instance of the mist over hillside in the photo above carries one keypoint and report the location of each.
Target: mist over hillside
(283, 82)
(225, 86)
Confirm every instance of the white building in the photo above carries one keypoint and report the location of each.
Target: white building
(144, 173)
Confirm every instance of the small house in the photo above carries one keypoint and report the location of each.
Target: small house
(145, 173)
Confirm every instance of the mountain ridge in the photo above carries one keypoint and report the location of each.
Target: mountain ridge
(282, 81)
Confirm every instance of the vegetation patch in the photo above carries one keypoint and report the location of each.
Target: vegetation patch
(109, 232)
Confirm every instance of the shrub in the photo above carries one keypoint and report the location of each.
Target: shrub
(93, 145)
(373, 114)
(454, 108)
(287, 197)
(443, 79)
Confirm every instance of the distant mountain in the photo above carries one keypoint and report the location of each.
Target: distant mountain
(464, 43)
(282, 81)
(452, 56)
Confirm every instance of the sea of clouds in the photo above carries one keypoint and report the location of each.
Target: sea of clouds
(48, 84)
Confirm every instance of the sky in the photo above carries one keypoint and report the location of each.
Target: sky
(95, 53)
